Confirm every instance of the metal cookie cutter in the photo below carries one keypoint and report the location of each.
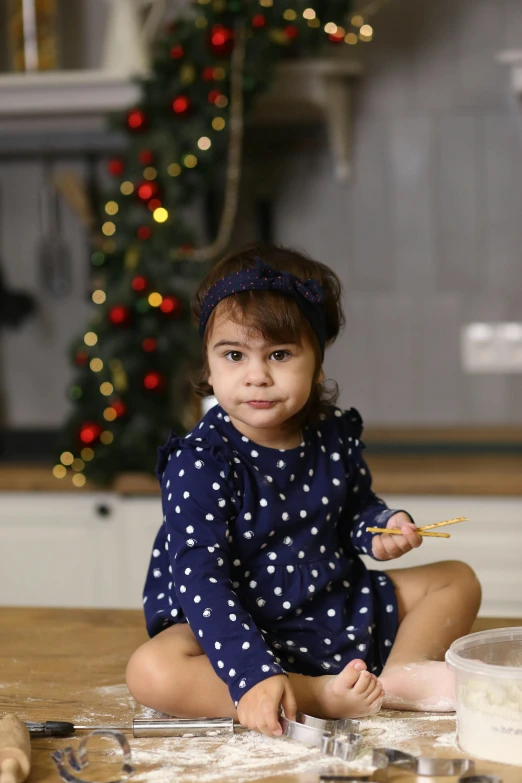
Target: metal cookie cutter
(479, 779)
(79, 760)
(421, 765)
(337, 738)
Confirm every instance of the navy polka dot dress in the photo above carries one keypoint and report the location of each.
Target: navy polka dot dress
(259, 551)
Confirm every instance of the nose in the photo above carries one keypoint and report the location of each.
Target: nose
(257, 374)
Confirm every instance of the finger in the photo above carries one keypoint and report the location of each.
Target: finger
(270, 719)
(393, 545)
(289, 703)
(412, 537)
(378, 548)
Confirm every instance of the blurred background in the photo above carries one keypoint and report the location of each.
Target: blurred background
(139, 140)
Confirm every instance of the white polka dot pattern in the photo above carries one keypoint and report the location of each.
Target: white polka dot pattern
(256, 539)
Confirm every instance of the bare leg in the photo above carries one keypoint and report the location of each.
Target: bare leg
(437, 604)
(170, 673)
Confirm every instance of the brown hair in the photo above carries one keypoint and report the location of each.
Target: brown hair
(275, 316)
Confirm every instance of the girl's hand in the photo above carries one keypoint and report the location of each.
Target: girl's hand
(258, 709)
(389, 547)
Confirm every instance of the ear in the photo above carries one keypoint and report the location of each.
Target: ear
(209, 380)
(320, 377)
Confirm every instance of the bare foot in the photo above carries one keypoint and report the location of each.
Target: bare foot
(425, 686)
(353, 693)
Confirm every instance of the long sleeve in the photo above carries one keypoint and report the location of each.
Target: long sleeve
(363, 508)
(199, 505)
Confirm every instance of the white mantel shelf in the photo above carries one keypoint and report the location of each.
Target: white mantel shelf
(64, 93)
(303, 92)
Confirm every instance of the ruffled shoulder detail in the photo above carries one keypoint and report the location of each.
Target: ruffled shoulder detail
(353, 421)
(345, 423)
(194, 443)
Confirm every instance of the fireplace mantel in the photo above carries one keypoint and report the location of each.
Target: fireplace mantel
(303, 92)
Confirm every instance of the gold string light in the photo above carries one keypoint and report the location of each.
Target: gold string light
(106, 388)
(90, 338)
(160, 215)
(108, 228)
(155, 299)
(99, 296)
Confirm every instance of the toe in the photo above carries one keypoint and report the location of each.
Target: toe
(358, 664)
(348, 677)
(363, 683)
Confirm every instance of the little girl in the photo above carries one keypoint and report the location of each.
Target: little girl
(256, 595)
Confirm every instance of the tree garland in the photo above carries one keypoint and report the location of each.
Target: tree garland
(133, 361)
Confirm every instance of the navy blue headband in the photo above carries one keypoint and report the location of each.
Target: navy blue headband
(308, 294)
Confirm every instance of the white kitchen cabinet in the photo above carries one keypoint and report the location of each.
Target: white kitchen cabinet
(490, 542)
(142, 518)
(60, 549)
(93, 549)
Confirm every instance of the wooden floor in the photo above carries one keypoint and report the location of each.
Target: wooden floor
(68, 664)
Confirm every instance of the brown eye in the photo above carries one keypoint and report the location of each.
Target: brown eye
(280, 356)
(234, 356)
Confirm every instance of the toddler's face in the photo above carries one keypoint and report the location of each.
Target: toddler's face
(261, 386)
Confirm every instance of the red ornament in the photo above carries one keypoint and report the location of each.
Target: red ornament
(291, 31)
(116, 167)
(177, 52)
(139, 283)
(336, 37)
(144, 232)
(149, 345)
(181, 104)
(81, 358)
(154, 203)
(119, 315)
(145, 157)
(146, 190)
(154, 381)
(89, 432)
(119, 407)
(136, 119)
(221, 40)
(258, 21)
(208, 74)
(213, 96)
(172, 306)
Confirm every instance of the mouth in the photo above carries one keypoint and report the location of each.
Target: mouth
(260, 403)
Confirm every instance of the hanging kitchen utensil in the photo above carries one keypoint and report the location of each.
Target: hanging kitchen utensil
(53, 253)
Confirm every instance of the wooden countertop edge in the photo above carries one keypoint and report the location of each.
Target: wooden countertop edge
(398, 474)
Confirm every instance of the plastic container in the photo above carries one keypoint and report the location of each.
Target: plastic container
(488, 682)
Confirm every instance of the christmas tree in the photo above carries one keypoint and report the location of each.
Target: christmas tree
(134, 359)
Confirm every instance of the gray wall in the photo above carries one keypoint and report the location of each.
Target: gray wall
(426, 236)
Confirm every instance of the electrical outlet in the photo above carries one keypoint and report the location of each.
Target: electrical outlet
(492, 347)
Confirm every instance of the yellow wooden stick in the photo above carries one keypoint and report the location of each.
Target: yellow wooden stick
(396, 532)
(443, 524)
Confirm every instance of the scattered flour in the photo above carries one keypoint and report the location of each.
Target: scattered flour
(251, 756)
(112, 702)
(447, 741)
